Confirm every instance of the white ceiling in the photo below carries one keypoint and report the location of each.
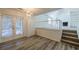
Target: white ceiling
(34, 11)
(38, 11)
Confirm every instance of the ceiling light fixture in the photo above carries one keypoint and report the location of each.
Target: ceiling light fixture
(29, 11)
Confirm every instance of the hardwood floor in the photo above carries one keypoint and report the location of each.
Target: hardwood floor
(36, 43)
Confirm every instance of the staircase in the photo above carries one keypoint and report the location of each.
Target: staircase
(70, 37)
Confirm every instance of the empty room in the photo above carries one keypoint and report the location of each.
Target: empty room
(39, 28)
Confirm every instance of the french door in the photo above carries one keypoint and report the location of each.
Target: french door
(10, 27)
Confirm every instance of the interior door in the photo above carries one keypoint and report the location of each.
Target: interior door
(7, 28)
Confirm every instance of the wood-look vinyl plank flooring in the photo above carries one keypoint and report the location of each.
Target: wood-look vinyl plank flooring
(36, 43)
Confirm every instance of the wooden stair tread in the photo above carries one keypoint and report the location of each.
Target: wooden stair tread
(69, 33)
(71, 42)
(72, 31)
(70, 37)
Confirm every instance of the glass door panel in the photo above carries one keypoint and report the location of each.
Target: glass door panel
(7, 30)
(19, 26)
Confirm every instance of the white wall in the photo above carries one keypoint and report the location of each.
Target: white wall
(70, 15)
(30, 26)
(50, 33)
(42, 21)
(78, 32)
(62, 14)
(74, 14)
